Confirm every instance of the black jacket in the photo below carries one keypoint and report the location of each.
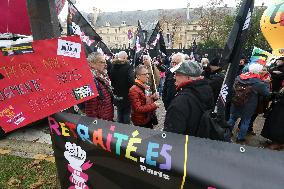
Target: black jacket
(122, 79)
(215, 80)
(273, 127)
(183, 114)
(169, 89)
(277, 79)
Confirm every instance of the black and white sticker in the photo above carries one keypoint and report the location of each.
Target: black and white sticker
(68, 48)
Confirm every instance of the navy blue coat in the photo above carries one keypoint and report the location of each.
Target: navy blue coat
(259, 88)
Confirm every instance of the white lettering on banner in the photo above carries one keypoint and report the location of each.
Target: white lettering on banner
(247, 22)
(68, 48)
(155, 173)
(224, 92)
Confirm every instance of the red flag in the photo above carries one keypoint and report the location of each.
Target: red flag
(14, 17)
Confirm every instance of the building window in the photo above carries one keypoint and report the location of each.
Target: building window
(116, 38)
(116, 46)
(194, 36)
(180, 45)
(107, 30)
(123, 23)
(124, 46)
(115, 30)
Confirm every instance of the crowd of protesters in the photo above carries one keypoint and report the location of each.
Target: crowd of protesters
(134, 88)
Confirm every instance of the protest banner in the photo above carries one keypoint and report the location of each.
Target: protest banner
(98, 154)
(41, 78)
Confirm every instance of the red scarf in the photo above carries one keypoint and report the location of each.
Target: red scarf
(249, 75)
(187, 82)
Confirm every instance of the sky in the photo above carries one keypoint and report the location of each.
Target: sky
(127, 5)
(131, 5)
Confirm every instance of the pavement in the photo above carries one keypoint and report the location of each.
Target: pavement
(35, 142)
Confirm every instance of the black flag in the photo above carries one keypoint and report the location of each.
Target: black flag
(140, 38)
(232, 53)
(78, 25)
(101, 46)
(156, 41)
(140, 44)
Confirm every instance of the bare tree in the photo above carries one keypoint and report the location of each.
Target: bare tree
(172, 22)
(211, 18)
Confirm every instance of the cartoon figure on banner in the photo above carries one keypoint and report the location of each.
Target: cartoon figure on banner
(76, 157)
(272, 26)
(12, 117)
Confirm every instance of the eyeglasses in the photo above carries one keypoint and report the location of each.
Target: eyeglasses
(145, 74)
(102, 62)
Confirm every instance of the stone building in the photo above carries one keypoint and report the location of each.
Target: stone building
(179, 26)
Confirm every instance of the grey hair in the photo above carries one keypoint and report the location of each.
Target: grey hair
(181, 55)
(93, 56)
(147, 56)
(122, 55)
(139, 68)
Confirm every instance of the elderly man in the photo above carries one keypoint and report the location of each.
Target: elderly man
(184, 113)
(169, 89)
(142, 101)
(122, 79)
(154, 73)
(100, 107)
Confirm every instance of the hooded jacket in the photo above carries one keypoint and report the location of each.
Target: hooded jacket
(259, 88)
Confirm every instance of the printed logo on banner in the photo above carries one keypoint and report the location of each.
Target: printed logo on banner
(224, 93)
(10, 115)
(76, 157)
(154, 151)
(83, 92)
(68, 48)
(17, 49)
(247, 22)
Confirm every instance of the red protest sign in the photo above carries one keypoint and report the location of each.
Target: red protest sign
(42, 78)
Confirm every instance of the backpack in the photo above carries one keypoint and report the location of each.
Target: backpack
(211, 125)
(242, 92)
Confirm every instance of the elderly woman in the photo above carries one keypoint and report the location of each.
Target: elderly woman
(142, 101)
(100, 107)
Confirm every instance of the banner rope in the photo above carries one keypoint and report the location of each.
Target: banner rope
(185, 162)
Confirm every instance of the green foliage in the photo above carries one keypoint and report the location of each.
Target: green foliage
(255, 36)
(209, 44)
(222, 26)
(24, 173)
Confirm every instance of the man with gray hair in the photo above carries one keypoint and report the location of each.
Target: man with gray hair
(194, 96)
(122, 56)
(169, 89)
